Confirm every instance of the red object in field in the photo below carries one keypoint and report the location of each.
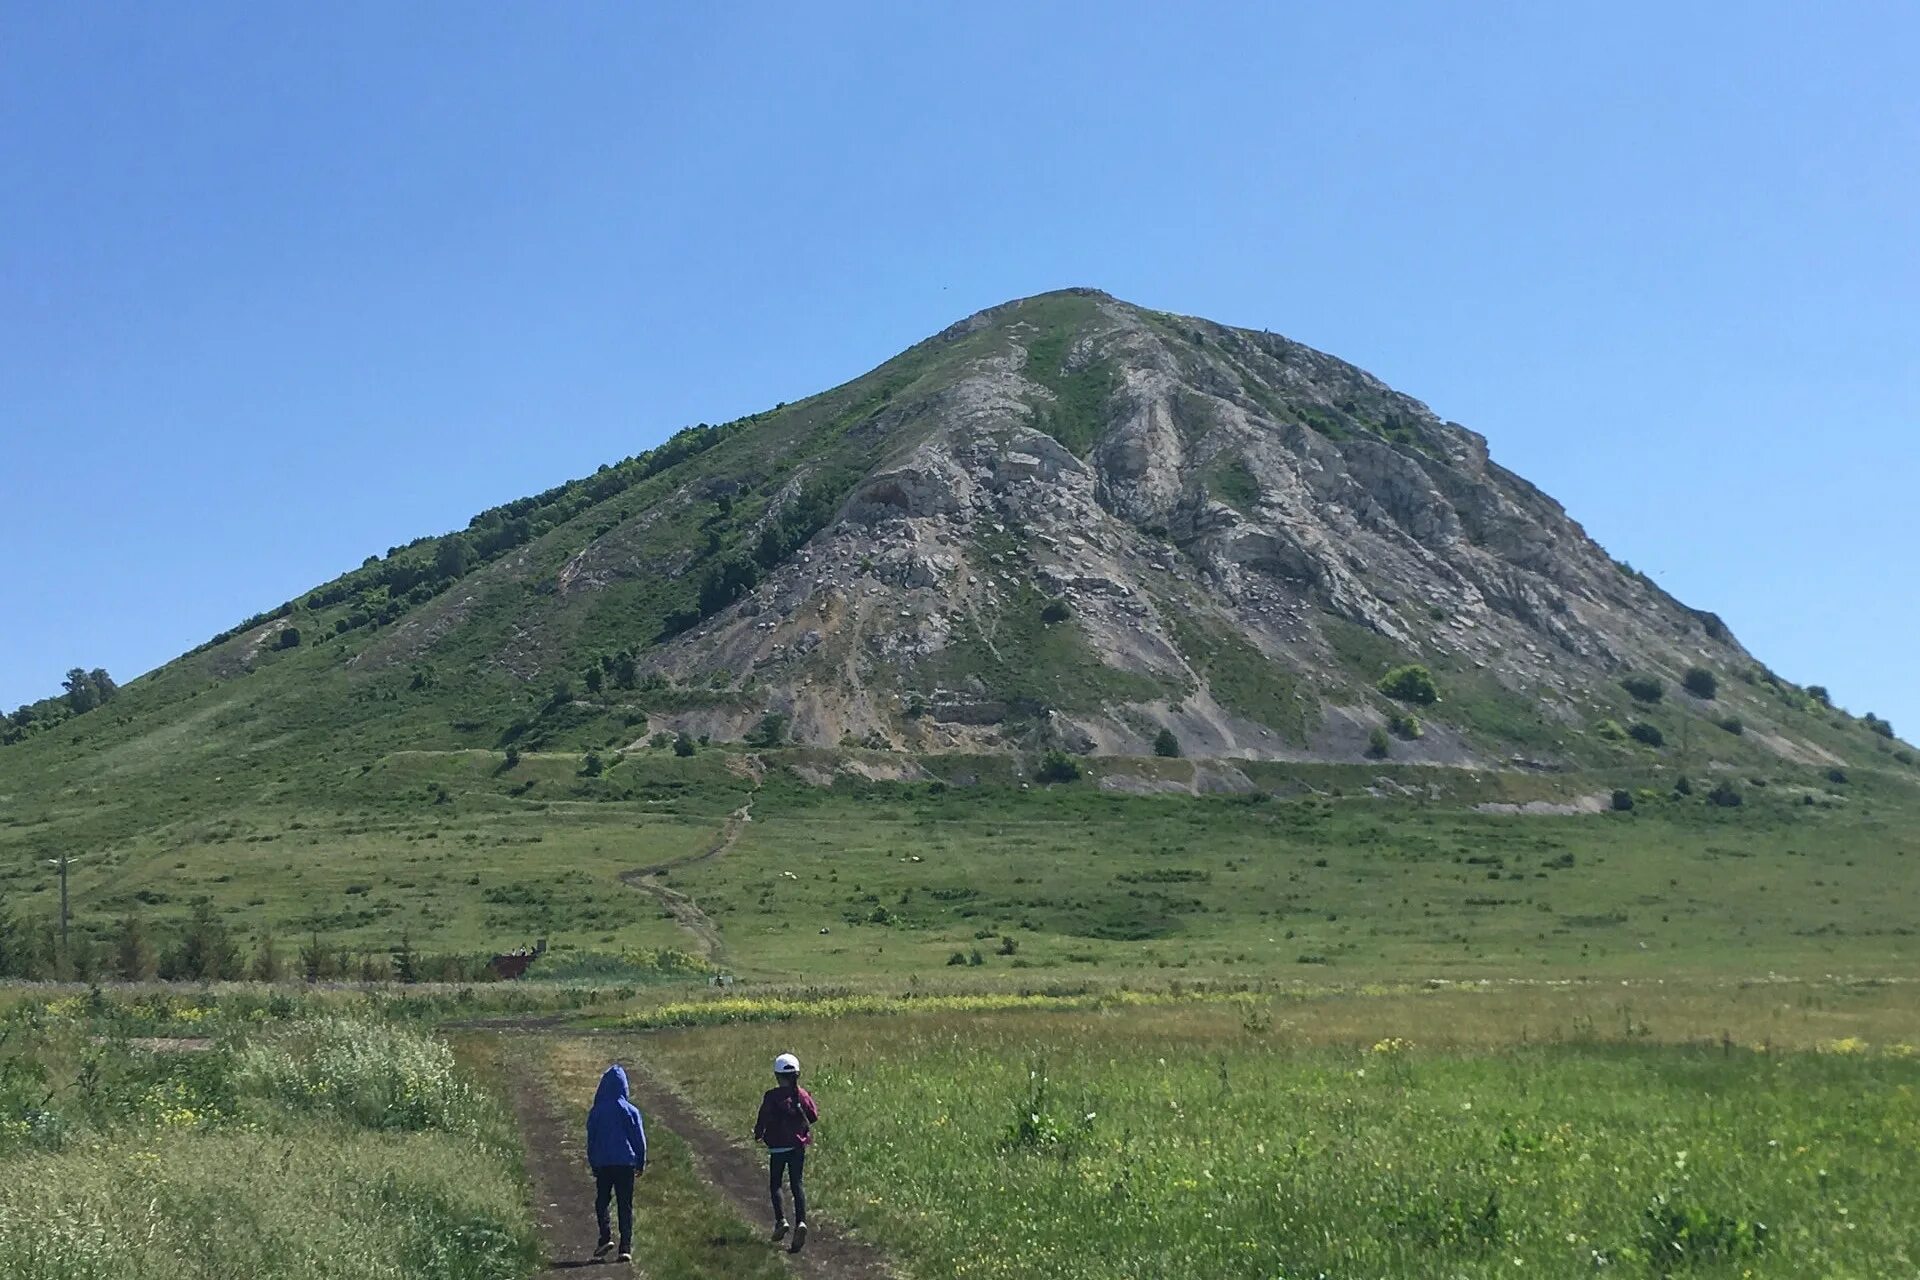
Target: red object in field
(507, 968)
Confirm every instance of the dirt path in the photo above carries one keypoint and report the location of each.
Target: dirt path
(563, 1190)
(686, 912)
(739, 1173)
(562, 1187)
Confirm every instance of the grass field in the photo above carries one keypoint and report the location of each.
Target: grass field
(1538, 1132)
(1388, 870)
(238, 1143)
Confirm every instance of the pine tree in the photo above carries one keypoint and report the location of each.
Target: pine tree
(133, 957)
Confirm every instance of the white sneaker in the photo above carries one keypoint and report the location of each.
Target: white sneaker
(604, 1248)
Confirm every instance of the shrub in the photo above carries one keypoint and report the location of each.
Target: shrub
(1683, 785)
(593, 766)
(1055, 611)
(1610, 730)
(1405, 725)
(1641, 731)
(1623, 800)
(1724, 795)
(1644, 688)
(289, 638)
(1008, 945)
(1165, 744)
(1837, 775)
(682, 745)
(1379, 747)
(1733, 725)
(1879, 726)
(957, 958)
(375, 1074)
(1700, 682)
(1411, 683)
(1058, 766)
(770, 732)
(1818, 692)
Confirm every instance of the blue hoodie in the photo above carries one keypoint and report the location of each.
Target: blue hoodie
(615, 1135)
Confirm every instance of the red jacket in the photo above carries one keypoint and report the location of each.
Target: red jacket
(786, 1116)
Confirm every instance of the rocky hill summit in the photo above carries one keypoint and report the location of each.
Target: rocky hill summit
(1063, 524)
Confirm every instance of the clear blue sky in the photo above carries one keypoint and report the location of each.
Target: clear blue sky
(283, 285)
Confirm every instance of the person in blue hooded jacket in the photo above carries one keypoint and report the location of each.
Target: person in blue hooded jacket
(617, 1152)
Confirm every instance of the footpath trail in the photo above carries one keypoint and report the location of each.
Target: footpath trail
(563, 1190)
(686, 912)
(562, 1187)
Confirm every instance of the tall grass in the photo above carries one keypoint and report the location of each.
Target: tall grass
(309, 1149)
(1149, 1142)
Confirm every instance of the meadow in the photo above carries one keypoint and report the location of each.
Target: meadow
(185, 1137)
(1516, 1130)
(1387, 870)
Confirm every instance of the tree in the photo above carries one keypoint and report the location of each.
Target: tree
(207, 950)
(1622, 801)
(1055, 611)
(289, 638)
(1724, 795)
(1641, 731)
(770, 732)
(80, 695)
(1700, 682)
(595, 679)
(406, 964)
(314, 959)
(133, 956)
(1165, 744)
(453, 557)
(1057, 766)
(104, 688)
(1404, 724)
(267, 964)
(593, 766)
(1818, 692)
(1411, 683)
(1644, 688)
(1379, 746)
(682, 745)
(1877, 725)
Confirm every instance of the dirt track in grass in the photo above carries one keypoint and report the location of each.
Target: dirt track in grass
(563, 1189)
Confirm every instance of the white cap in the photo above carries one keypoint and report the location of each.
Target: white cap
(786, 1065)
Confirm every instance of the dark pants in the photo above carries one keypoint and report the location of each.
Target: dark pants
(610, 1180)
(788, 1164)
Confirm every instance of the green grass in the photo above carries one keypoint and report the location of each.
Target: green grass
(1337, 873)
(1032, 664)
(1242, 679)
(301, 1149)
(1232, 480)
(1077, 416)
(902, 877)
(1221, 1142)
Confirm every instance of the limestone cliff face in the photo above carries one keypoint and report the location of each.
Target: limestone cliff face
(1238, 529)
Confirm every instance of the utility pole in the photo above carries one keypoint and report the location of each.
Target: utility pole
(61, 862)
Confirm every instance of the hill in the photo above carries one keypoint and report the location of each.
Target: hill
(1066, 535)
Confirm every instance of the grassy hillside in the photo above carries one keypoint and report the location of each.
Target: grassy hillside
(1384, 869)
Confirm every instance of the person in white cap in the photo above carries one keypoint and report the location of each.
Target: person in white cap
(785, 1125)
